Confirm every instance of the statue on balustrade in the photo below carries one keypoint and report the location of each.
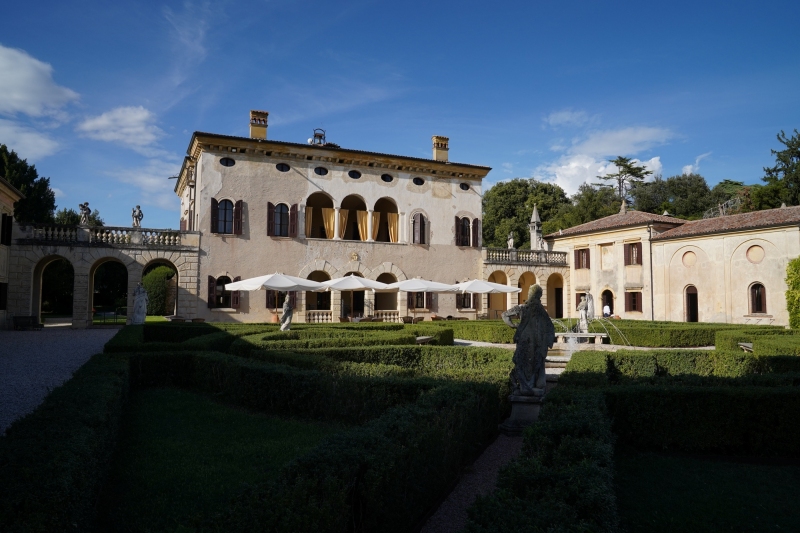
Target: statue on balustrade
(534, 335)
(85, 213)
(140, 301)
(510, 241)
(286, 317)
(137, 216)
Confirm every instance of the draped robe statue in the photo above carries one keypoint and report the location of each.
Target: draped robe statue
(286, 317)
(534, 335)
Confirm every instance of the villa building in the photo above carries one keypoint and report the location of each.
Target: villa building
(8, 196)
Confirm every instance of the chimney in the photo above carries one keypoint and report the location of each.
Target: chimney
(258, 124)
(440, 147)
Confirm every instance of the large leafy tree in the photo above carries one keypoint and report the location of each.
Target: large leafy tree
(71, 217)
(628, 174)
(589, 203)
(783, 179)
(40, 200)
(508, 205)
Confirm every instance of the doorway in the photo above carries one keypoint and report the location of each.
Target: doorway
(608, 300)
(691, 304)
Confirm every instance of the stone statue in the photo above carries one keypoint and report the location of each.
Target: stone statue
(583, 322)
(534, 335)
(85, 213)
(140, 301)
(137, 216)
(511, 240)
(286, 317)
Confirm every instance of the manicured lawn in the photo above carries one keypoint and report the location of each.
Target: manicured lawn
(183, 456)
(677, 493)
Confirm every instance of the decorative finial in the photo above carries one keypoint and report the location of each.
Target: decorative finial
(624, 207)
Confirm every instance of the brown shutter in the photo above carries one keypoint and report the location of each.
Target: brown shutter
(3, 296)
(627, 254)
(293, 222)
(270, 218)
(235, 295)
(577, 263)
(476, 234)
(577, 299)
(237, 217)
(417, 229)
(293, 299)
(763, 299)
(588, 259)
(458, 231)
(429, 300)
(212, 292)
(627, 301)
(410, 300)
(271, 299)
(214, 216)
(639, 253)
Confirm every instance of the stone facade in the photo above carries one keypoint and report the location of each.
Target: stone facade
(9, 195)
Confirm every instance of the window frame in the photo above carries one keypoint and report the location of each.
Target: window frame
(225, 227)
(281, 220)
(762, 298)
(634, 302)
(633, 254)
(582, 259)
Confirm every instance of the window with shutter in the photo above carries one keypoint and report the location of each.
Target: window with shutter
(578, 298)
(428, 301)
(627, 248)
(280, 227)
(237, 217)
(212, 292)
(235, 295)
(758, 298)
(270, 219)
(476, 233)
(638, 249)
(458, 231)
(271, 300)
(214, 216)
(627, 302)
(293, 221)
(419, 228)
(410, 300)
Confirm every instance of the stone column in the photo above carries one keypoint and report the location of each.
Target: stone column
(402, 231)
(336, 224)
(301, 221)
(80, 301)
(369, 227)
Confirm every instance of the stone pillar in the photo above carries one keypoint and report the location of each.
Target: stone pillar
(136, 236)
(369, 228)
(336, 236)
(402, 231)
(82, 234)
(80, 300)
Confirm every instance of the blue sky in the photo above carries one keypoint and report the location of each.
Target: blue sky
(103, 97)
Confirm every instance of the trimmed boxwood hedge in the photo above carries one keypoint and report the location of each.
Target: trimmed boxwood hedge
(728, 340)
(767, 345)
(54, 461)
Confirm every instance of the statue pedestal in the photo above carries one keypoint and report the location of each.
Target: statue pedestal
(524, 412)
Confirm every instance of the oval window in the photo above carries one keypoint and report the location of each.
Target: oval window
(355, 174)
(418, 181)
(227, 162)
(321, 171)
(464, 186)
(388, 178)
(283, 167)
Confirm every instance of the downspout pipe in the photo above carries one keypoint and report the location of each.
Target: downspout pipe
(652, 291)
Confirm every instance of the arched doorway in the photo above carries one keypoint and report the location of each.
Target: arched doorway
(386, 301)
(526, 281)
(108, 290)
(319, 216)
(318, 301)
(54, 282)
(691, 312)
(353, 301)
(353, 219)
(160, 279)
(497, 302)
(555, 296)
(607, 299)
(388, 221)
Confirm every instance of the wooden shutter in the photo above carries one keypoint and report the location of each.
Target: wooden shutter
(577, 262)
(627, 254)
(212, 292)
(237, 217)
(763, 299)
(423, 229)
(410, 300)
(235, 295)
(293, 222)
(417, 221)
(627, 301)
(293, 298)
(588, 258)
(429, 300)
(577, 299)
(458, 231)
(638, 253)
(476, 233)
(214, 216)
(271, 299)
(270, 219)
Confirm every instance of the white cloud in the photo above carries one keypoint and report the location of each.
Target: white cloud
(58, 192)
(690, 169)
(27, 86)
(566, 117)
(625, 141)
(189, 35)
(571, 171)
(27, 142)
(152, 181)
(508, 167)
(130, 126)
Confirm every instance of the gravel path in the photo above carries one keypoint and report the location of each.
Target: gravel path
(451, 516)
(32, 363)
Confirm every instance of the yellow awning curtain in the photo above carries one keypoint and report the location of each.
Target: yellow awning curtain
(376, 220)
(393, 219)
(309, 219)
(328, 216)
(362, 224)
(343, 222)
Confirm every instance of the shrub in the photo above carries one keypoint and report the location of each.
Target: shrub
(728, 340)
(54, 461)
(793, 292)
(155, 282)
(298, 340)
(776, 345)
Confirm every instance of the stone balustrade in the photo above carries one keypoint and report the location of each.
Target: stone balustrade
(319, 317)
(510, 256)
(105, 236)
(388, 316)
(52, 233)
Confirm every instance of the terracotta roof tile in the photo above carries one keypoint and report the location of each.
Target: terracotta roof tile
(620, 220)
(781, 216)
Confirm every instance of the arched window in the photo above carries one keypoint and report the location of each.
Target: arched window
(222, 297)
(691, 312)
(462, 231)
(281, 220)
(758, 298)
(225, 223)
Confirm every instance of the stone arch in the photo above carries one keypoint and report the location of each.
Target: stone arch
(316, 202)
(556, 295)
(497, 303)
(166, 260)
(607, 297)
(351, 204)
(525, 281)
(318, 264)
(37, 282)
(389, 268)
(114, 257)
(354, 266)
(386, 206)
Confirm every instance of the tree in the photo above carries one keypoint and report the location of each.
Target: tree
(71, 217)
(793, 292)
(507, 207)
(589, 203)
(784, 177)
(651, 197)
(40, 200)
(627, 175)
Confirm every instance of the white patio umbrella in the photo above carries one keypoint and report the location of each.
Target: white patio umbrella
(353, 283)
(276, 282)
(419, 285)
(478, 286)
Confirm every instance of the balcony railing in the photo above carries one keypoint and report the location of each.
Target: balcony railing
(319, 317)
(524, 257)
(105, 235)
